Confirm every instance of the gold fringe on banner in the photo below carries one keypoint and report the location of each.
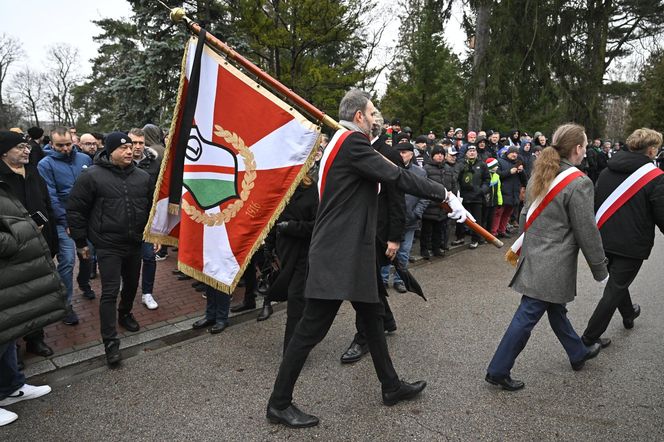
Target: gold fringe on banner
(511, 257)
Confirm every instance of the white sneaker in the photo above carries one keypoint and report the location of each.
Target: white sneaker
(7, 417)
(149, 301)
(24, 393)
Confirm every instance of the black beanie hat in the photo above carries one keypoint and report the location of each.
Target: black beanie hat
(115, 140)
(400, 136)
(9, 139)
(35, 132)
(437, 150)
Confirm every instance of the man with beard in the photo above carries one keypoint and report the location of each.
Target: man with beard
(342, 256)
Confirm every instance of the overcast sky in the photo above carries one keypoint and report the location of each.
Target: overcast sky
(41, 23)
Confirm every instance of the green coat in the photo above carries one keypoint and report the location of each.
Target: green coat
(31, 294)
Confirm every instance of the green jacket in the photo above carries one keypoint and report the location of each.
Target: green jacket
(31, 294)
(495, 196)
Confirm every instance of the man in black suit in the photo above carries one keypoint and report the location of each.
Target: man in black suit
(342, 255)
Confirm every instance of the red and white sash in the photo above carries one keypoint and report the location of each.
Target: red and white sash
(328, 158)
(627, 189)
(557, 185)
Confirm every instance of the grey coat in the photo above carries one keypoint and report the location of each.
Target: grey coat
(547, 266)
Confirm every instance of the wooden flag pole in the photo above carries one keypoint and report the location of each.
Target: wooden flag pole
(477, 229)
(178, 15)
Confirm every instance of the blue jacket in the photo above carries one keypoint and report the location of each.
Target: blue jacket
(60, 173)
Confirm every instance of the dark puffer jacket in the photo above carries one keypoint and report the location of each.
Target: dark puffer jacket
(31, 294)
(474, 181)
(109, 205)
(510, 184)
(630, 231)
(447, 175)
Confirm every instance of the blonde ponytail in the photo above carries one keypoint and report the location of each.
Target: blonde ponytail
(546, 169)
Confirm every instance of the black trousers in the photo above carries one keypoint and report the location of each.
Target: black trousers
(296, 301)
(117, 267)
(622, 272)
(432, 234)
(316, 320)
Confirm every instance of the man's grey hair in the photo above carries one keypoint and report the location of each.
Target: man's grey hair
(377, 128)
(354, 100)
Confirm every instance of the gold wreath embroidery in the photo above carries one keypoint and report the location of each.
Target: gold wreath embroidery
(217, 219)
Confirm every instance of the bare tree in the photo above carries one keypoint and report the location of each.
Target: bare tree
(10, 51)
(60, 80)
(29, 86)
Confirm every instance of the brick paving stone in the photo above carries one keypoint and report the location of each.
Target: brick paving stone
(176, 299)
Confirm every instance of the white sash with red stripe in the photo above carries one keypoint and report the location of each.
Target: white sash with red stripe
(557, 185)
(328, 158)
(627, 189)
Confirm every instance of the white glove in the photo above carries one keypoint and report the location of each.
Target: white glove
(458, 211)
(604, 281)
(470, 216)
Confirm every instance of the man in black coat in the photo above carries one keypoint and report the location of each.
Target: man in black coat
(389, 232)
(29, 188)
(628, 235)
(342, 256)
(109, 205)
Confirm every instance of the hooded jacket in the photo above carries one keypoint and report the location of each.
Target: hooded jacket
(630, 231)
(510, 184)
(151, 163)
(31, 294)
(60, 172)
(154, 138)
(109, 205)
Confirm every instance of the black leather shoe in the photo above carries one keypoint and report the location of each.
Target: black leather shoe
(243, 307)
(406, 391)
(266, 312)
(354, 353)
(128, 322)
(183, 277)
(507, 383)
(425, 253)
(197, 284)
(291, 417)
(593, 350)
(400, 287)
(390, 327)
(38, 347)
(439, 252)
(629, 322)
(200, 288)
(112, 350)
(603, 342)
(218, 328)
(202, 323)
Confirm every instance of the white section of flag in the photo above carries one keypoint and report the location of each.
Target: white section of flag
(206, 89)
(218, 259)
(208, 176)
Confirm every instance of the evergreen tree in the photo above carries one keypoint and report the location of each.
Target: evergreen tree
(426, 83)
(647, 107)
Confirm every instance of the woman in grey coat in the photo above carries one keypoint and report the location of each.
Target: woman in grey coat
(546, 270)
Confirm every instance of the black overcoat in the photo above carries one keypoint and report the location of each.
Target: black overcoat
(342, 256)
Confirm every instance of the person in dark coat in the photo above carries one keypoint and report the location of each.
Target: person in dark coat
(389, 232)
(434, 218)
(474, 185)
(512, 179)
(293, 235)
(628, 235)
(35, 138)
(29, 188)
(342, 256)
(109, 205)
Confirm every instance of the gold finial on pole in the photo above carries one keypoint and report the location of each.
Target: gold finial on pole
(177, 14)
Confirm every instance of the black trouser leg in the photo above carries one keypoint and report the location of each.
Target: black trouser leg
(316, 320)
(250, 282)
(295, 305)
(131, 272)
(388, 316)
(110, 270)
(622, 272)
(437, 236)
(371, 315)
(487, 217)
(35, 336)
(84, 272)
(475, 209)
(425, 236)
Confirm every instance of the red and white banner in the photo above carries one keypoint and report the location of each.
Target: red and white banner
(247, 150)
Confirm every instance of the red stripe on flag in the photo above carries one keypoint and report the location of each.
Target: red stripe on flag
(551, 195)
(209, 168)
(633, 189)
(330, 160)
(190, 245)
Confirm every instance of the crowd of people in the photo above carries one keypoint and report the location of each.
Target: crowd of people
(88, 198)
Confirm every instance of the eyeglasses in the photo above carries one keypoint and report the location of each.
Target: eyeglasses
(23, 146)
(61, 145)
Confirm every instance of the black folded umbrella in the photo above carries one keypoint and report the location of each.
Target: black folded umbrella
(408, 280)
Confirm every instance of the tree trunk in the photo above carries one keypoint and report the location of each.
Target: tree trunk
(478, 84)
